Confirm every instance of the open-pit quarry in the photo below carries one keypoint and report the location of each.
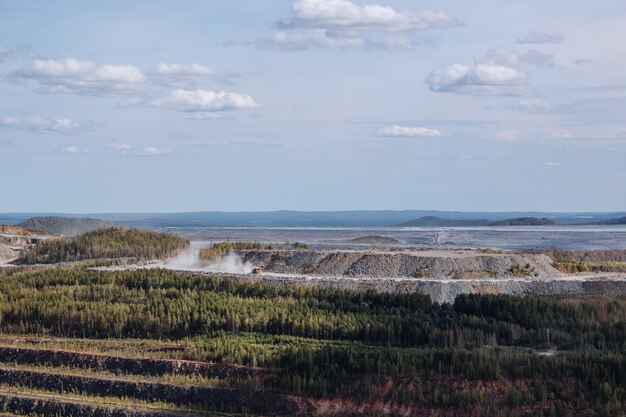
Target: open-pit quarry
(442, 274)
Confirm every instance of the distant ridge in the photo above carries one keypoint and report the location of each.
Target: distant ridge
(621, 220)
(292, 218)
(67, 226)
(432, 221)
(524, 221)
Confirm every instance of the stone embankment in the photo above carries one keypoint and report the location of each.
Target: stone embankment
(446, 290)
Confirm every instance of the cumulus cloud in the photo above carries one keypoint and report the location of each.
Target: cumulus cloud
(192, 74)
(38, 124)
(408, 132)
(344, 14)
(540, 37)
(5, 52)
(203, 100)
(71, 76)
(332, 39)
(73, 150)
(479, 79)
(343, 24)
(313, 38)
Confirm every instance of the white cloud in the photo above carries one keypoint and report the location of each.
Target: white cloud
(209, 116)
(333, 39)
(408, 132)
(314, 38)
(557, 133)
(342, 24)
(41, 125)
(146, 151)
(125, 149)
(479, 79)
(203, 100)
(552, 163)
(509, 135)
(5, 52)
(505, 57)
(344, 14)
(192, 74)
(71, 76)
(540, 37)
(543, 105)
(119, 146)
(73, 150)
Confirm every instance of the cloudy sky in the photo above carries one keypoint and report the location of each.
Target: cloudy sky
(312, 105)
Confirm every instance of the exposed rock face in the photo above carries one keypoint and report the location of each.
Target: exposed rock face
(14, 239)
(439, 264)
(445, 291)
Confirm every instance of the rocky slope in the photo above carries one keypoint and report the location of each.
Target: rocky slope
(14, 239)
(395, 264)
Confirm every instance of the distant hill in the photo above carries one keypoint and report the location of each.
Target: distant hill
(374, 240)
(67, 226)
(524, 221)
(621, 220)
(432, 221)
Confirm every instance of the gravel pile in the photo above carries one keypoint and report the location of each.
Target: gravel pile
(398, 264)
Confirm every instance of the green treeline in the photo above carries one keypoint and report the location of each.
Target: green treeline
(325, 341)
(217, 250)
(105, 243)
(155, 303)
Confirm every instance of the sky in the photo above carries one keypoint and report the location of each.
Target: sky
(155, 106)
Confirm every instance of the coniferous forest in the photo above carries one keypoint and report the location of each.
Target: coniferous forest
(105, 243)
(482, 354)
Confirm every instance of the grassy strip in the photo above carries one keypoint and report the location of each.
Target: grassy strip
(171, 379)
(574, 267)
(98, 401)
(217, 250)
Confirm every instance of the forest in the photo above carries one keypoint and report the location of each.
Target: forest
(217, 250)
(104, 244)
(531, 356)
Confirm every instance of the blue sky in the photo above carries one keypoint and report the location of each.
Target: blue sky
(312, 105)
